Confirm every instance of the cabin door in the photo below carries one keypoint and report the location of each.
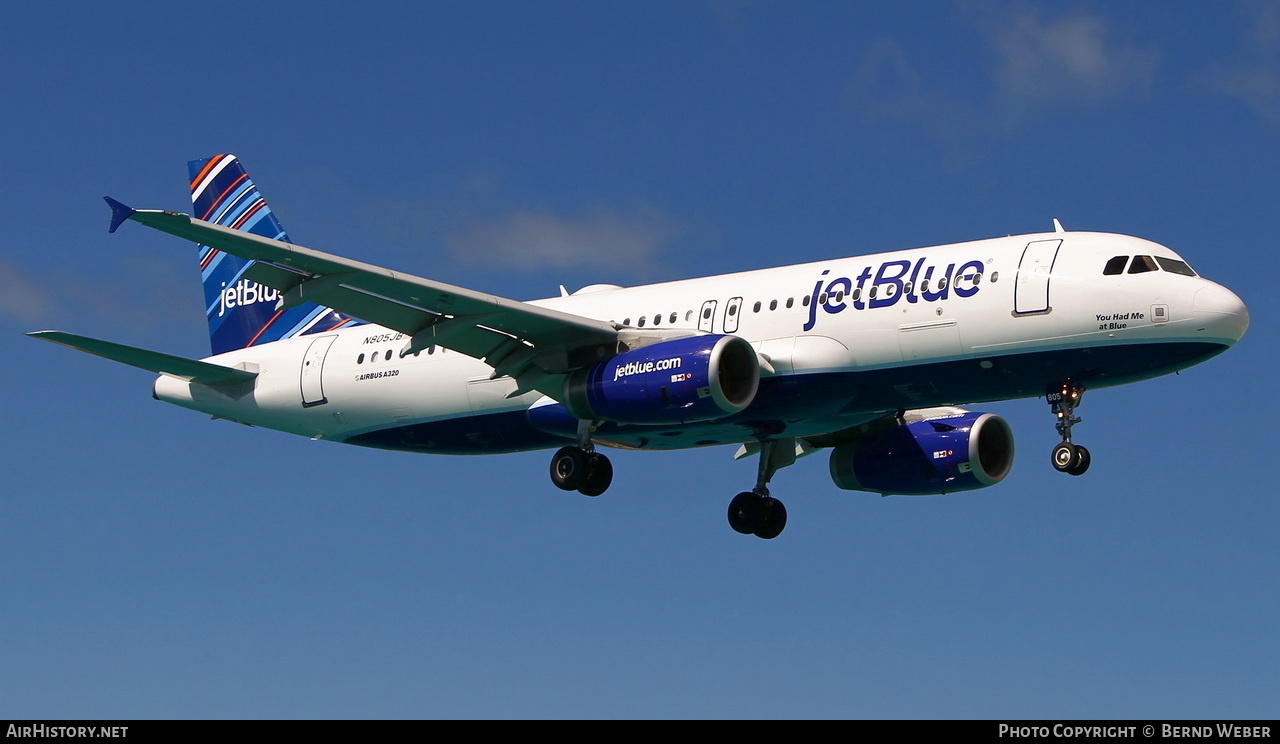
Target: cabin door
(312, 366)
(1031, 290)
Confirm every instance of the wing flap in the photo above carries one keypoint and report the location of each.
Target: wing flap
(152, 361)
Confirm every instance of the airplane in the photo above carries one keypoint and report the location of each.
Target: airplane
(869, 357)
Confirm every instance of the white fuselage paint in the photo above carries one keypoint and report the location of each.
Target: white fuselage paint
(1058, 299)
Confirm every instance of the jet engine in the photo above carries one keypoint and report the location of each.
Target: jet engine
(954, 452)
(695, 378)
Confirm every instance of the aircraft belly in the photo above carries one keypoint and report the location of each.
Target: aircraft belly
(803, 405)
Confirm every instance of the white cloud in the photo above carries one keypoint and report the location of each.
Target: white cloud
(1254, 76)
(529, 240)
(23, 297)
(1026, 66)
(1072, 57)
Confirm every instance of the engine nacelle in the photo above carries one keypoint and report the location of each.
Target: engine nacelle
(959, 452)
(696, 378)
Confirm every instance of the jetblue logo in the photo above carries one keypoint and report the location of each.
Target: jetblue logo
(243, 293)
(640, 368)
(891, 282)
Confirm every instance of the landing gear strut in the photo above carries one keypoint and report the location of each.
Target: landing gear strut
(755, 512)
(1067, 457)
(581, 468)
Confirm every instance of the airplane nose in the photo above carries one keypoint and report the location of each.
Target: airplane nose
(1220, 312)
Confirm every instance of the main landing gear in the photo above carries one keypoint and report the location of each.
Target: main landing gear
(1067, 457)
(581, 468)
(755, 512)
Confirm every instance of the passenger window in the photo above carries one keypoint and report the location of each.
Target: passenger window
(994, 276)
(388, 357)
(756, 308)
(657, 319)
(805, 301)
(1175, 266)
(790, 302)
(1115, 266)
(360, 359)
(706, 313)
(673, 317)
(773, 304)
(1142, 264)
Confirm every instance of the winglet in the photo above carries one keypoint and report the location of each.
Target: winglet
(119, 212)
(1057, 226)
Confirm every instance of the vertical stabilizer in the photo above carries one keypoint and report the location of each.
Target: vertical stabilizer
(242, 312)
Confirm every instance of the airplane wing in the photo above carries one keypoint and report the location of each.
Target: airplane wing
(152, 361)
(518, 339)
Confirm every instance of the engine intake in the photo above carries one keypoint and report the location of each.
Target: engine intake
(696, 378)
(960, 452)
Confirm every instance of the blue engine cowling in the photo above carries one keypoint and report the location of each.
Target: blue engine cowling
(696, 378)
(937, 455)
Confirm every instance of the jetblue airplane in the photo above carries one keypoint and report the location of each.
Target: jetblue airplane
(867, 356)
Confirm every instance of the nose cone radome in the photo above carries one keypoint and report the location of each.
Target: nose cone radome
(1221, 313)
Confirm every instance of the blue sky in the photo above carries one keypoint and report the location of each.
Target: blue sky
(155, 564)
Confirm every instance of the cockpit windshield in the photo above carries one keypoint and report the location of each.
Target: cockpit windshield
(1143, 264)
(1175, 266)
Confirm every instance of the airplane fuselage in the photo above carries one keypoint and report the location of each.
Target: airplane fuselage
(848, 340)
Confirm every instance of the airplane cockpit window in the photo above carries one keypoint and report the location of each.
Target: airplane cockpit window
(1115, 266)
(1175, 266)
(1142, 264)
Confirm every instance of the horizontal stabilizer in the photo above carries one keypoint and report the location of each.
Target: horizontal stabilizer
(119, 212)
(153, 361)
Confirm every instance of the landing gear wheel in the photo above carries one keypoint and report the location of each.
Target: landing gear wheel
(753, 514)
(1066, 457)
(774, 522)
(598, 475)
(568, 468)
(1082, 461)
(746, 512)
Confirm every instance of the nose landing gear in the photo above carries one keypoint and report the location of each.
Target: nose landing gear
(1067, 457)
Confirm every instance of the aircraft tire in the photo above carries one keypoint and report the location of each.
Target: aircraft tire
(568, 468)
(598, 475)
(1065, 457)
(1082, 461)
(746, 513)
(774, 521)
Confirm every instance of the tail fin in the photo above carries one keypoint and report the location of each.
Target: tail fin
(242, 312)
